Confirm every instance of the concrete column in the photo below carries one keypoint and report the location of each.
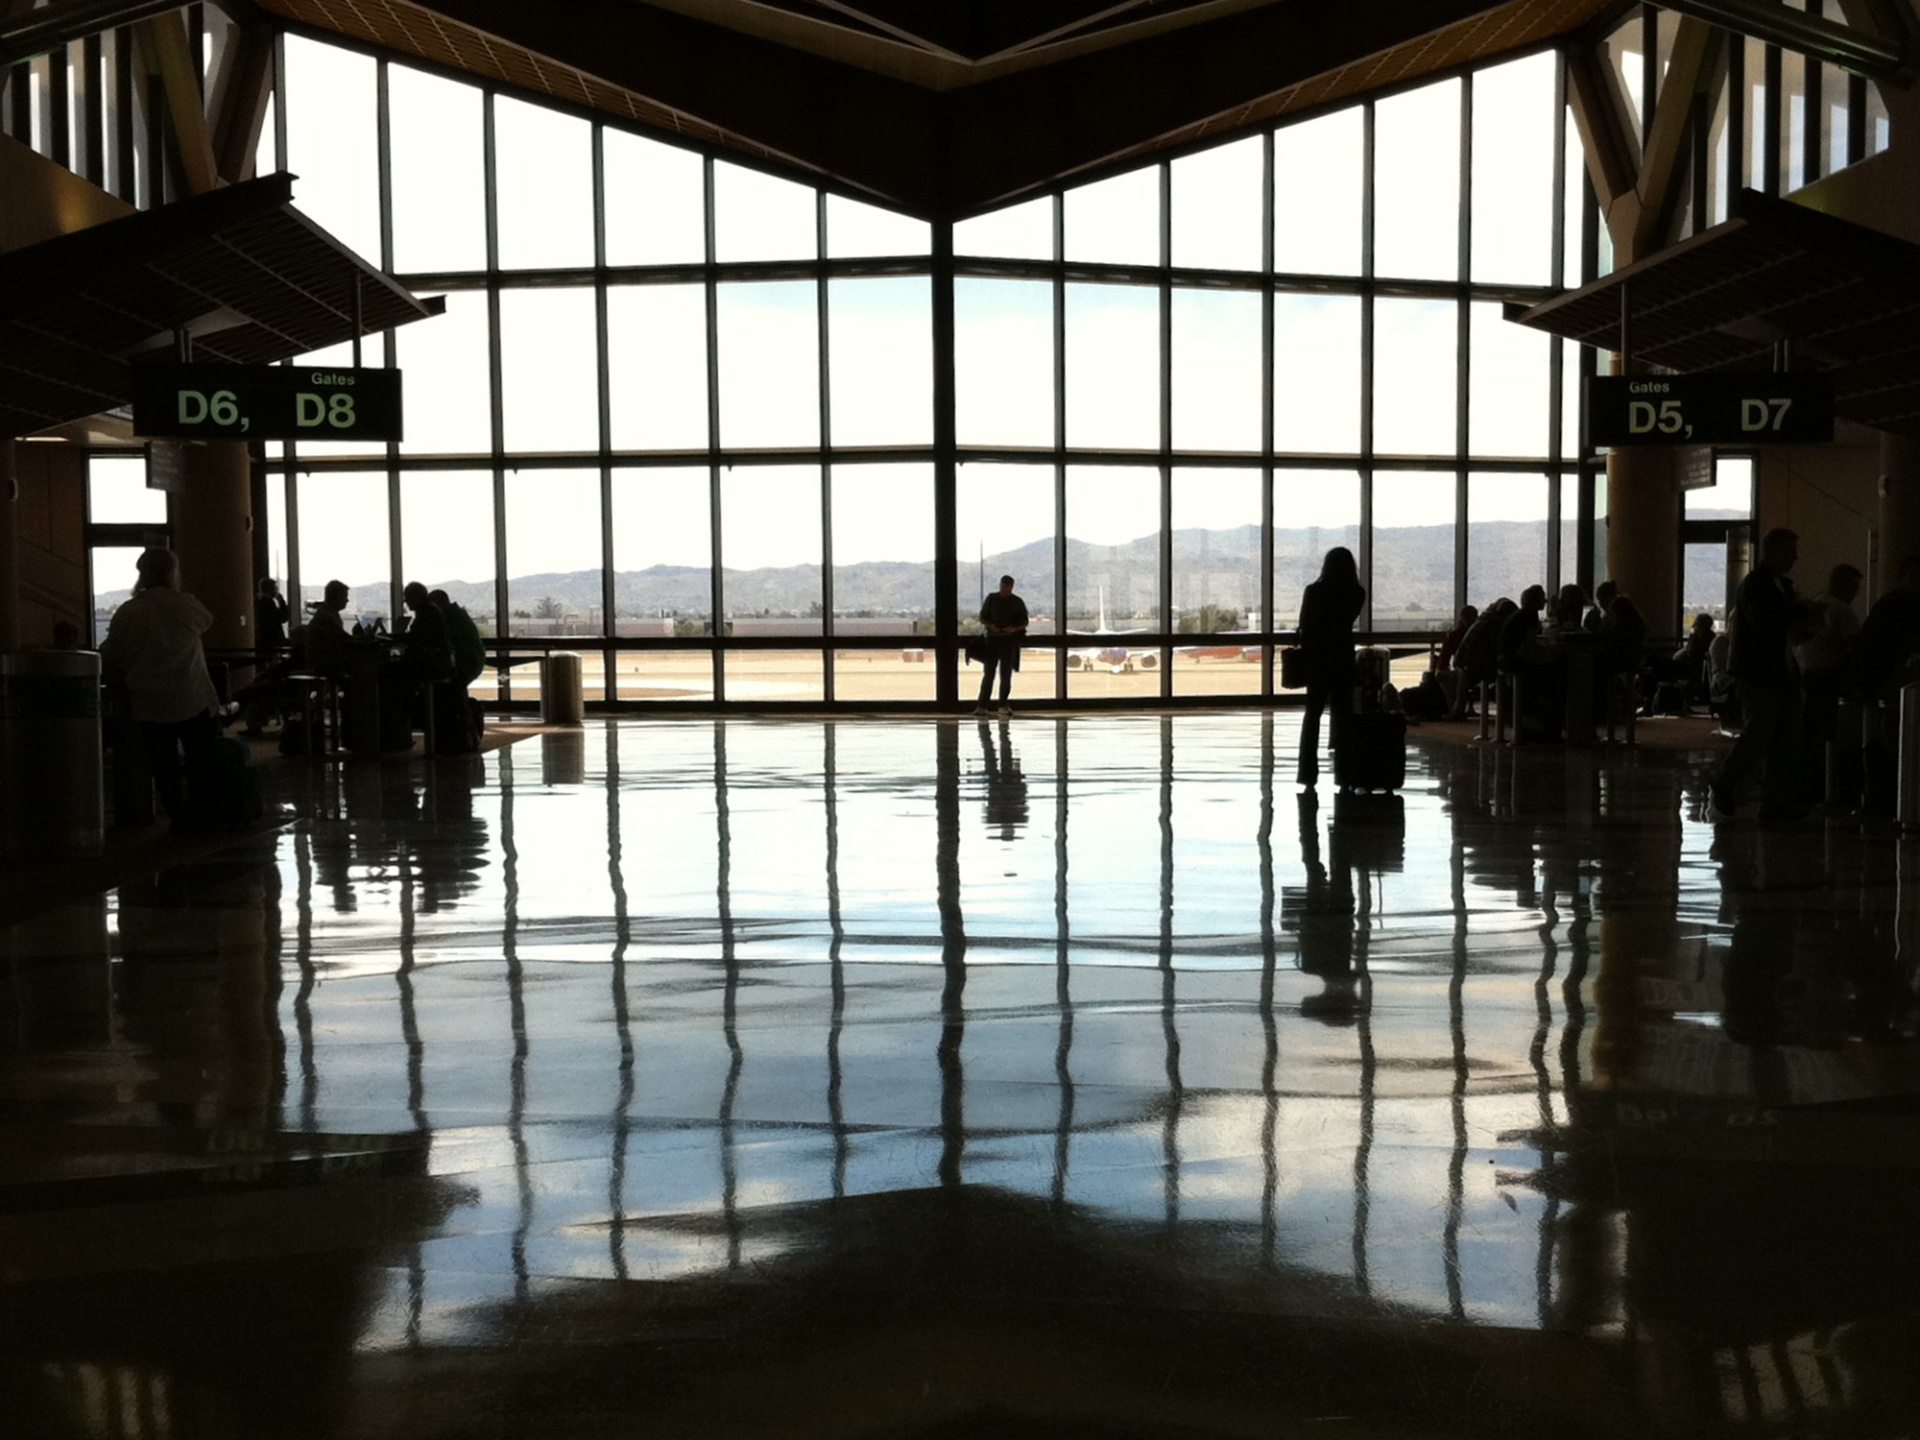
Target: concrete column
(1643, 533)
(9, 551)
(212, 519)
(1899, 507)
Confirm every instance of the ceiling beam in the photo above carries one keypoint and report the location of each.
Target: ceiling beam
(241, 89)
(165, 40)
(1818, 38)
(1662, 165)
(52, 27)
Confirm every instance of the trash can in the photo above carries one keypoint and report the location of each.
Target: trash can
(52, 794)
(561, 699)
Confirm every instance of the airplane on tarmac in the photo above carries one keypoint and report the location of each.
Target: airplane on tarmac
(1115, 659)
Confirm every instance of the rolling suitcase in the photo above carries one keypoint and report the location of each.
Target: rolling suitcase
(1372, 668)
(1370, 751)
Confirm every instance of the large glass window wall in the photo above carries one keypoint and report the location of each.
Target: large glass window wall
(681, 411)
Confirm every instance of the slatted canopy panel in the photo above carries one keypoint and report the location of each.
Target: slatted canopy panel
(1844, 298)
(249, 277)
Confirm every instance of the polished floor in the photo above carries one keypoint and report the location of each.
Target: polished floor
(1054, 1077)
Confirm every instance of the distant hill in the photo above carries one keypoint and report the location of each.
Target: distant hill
(1412, 566)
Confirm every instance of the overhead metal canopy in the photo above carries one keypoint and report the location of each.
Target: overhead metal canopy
(249, 277)
(1845, 299)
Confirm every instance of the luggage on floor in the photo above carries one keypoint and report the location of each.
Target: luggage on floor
(1370, 751)
(222, 786)
(1372, 667)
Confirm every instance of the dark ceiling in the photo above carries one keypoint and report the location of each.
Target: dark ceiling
(946, 108)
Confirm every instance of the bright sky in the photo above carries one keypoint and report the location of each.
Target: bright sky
(879, 389)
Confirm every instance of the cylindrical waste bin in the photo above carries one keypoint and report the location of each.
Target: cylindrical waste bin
(561, 700)
(1907, 810)
(52, 798)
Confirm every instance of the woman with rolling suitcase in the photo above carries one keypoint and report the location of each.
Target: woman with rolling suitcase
(1328, 611)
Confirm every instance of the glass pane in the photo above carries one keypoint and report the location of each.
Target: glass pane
(439, 180)
(1005, 527)
(1414, 346)
(770, 546)
(1506, 536)
(1754, 113)
(663, 554)
(1316, 373)
(1879, 125)
(1113, 366)
(1569, 537)
(769, 364)
(333, 141)
(1576, 198)
(1019, 232)
(903, 672)
(543, 165)
(117, 492)
(1509, 386)
(1833, 120)
(1116, 221)
(1003, 361)
(1413, 519)
(1572, 384)
(1216, 370)
(1318, 180)
(1313, 511)
(761, 217)
(445, 378)
(1217, 207)
(656, 205)
(1793, 123)
(855, 230)
(1216, 578)
(549, 370)
(446, 538)
(1730, 497)
(1113, 548)
(883, 550)
(1113, 580)
(1416, 167)
(343, 536)
(1513, 171)
(553, 553)
(673, 675)
(657, 366)
(1719, 141)
(778, 675)
(880, 349)
(278, 553)
(113, 580)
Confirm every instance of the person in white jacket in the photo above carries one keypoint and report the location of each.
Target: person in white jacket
(153, 648)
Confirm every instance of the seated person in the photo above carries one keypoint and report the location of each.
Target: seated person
(1623, 641)
(326, 633)
(1525, 655)
(1884, 650)
(426, 651)
(1477, 661)
(1569, 608)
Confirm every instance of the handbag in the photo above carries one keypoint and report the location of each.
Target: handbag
(1293, 668)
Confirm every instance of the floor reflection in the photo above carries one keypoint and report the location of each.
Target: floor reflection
(1029, 1014)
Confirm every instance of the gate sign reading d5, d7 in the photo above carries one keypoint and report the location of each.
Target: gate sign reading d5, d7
(266, 402)
(1779, 409)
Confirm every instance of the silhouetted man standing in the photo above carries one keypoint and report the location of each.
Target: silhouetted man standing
(1004, 617)
(1765, 611)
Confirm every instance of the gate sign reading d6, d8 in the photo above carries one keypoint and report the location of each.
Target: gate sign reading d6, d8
(265, 402)
(1775, 409)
